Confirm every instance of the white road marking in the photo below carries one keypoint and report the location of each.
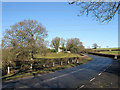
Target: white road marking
(61, 76)
(99, 74)
(82, 86)
(104, 70)
(92, 79)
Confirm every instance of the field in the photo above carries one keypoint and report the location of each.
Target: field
(57, 55)
(108, 52)
(105, 48)
(111, 52)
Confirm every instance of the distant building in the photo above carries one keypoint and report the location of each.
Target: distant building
(60, 49)
(68, 51)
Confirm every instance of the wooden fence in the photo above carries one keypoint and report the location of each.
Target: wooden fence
(40, 63)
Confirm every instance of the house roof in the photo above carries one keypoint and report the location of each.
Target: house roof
(60, 47)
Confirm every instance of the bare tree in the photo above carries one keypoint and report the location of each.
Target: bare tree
(62, 41)
(74, 45)
(102, 11)
(42, 47)
(55, 43)
(23, 37)
(95, 46)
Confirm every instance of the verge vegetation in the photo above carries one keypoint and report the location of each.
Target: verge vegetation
(111, 52)
(57, 55)
(44, 70)
(105, 48)
(25, 51)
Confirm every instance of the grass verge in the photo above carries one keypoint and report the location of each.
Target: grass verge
(43, 71)
(57, 55)
(105, 48)
(111, 52)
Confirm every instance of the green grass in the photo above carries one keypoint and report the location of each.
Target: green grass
(111, 52)
(118, 59)
(45, 70)
(105, 48)
(57, 55)
(85, 60)
(11, 76)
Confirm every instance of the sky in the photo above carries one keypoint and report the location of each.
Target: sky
(61, 20)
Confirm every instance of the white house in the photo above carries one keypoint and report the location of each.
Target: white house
(59, 49)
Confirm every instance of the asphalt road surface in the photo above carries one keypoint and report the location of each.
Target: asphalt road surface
(73, 77)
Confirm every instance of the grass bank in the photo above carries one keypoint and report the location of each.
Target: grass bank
(105, 48)
(43, 71)
(111, 52)
(57, 55)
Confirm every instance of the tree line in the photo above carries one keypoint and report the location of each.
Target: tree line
(73, 44)
(26, 38)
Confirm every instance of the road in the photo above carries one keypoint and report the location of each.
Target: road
(74, 77)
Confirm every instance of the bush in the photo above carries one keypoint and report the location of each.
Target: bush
(52, 50)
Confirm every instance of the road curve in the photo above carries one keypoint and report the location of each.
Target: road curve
(68, 78)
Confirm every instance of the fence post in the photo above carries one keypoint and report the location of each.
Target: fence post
(68, 62)
(43, 65)
(72, 61)
(31, 66)
(61, 63)
(53, 64)
(77, 61)
(8, 70)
